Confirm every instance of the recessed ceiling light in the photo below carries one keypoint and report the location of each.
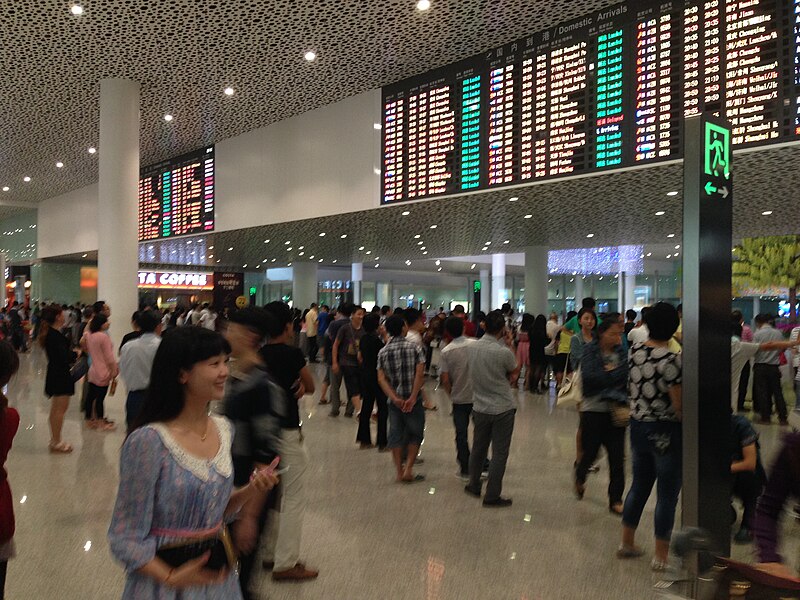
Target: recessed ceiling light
(92, 150)
(265, 241)
(211, 247)
(672, 193)
(405, 213)
(676, 254)
(423, 5)
(322, 234)
(188, 241)
(670, 235)
(767, 213)
(26, 179)
(376, 126)
(377, 265)
(513, 198)
(335, 260)
(310, 55)
(210, 256)
(368, 252)
(507, 242)
(229, 91)
(678, 247)
(287, 242)
(660, 213)
(488, 244)
(289, 249)
(273, 260)
(231, 248)
(484, 249)
(217, 260)
(301, 253)
(649, 254)
(76, 9)
(84, 255)
(434, 226)
(59, 165)
(669, 255)
(473, 266)
(168, 118)
(377, 258)
(528, 216)
(416, 237)
(361, 247)
(419, 243)
(425, 252)
(439, 269)
(589, 235)
(320, 260)
(438, 262)
(301, 247)
(6, 188)
(289, 264)
(422, 248)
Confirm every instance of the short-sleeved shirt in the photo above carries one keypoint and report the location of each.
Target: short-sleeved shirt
(398, 360)
(652, 372)
(323, 318)
(349, 340)
(330, 336)
(284, 363)
(741, 352)
(742, 435)
(490, 362)
(312, 322)
(767, 333)
(455, 362)
(793, 337)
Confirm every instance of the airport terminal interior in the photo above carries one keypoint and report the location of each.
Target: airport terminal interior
(442, 157)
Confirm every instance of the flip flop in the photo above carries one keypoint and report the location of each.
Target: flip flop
(417, 477)
(60, 448)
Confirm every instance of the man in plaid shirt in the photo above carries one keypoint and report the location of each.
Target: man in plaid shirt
(401, 373)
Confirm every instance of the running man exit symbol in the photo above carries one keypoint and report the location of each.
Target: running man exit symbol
(717, 151)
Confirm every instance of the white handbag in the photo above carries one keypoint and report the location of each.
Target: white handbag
(571, 391)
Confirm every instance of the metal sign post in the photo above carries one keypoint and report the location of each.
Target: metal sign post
(707, 242)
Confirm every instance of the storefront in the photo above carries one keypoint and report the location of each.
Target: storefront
(171, 289)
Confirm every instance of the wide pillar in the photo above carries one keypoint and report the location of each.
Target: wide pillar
(498, 280)
(630, 290)
(578, 291)
(356, 277)
(706, 385)
(486, 291)
(118, 196)
(304, 284)
(536, 277)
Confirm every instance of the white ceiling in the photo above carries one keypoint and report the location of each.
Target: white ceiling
(185, 52)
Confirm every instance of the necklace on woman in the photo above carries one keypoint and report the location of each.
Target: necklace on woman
(202, 436)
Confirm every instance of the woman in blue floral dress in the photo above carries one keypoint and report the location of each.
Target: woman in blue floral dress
(176, 475)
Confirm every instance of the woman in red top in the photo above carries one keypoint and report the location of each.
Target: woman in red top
(103, 370)
(9, 423)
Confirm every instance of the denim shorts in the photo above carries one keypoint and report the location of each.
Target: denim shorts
(406, 428)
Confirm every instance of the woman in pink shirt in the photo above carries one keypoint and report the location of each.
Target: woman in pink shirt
(103, 370)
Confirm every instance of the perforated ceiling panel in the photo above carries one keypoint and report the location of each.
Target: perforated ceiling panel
(185, 52)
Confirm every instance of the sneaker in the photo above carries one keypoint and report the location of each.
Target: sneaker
(498, 503)
(743, 536)
(485, 475)
(659, 565)
(299, 572)
(463, 476)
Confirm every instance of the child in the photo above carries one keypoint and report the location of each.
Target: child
(9, 423)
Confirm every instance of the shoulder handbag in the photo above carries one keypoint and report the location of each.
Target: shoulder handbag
(571, 391)
(620, 414)
(79, 368)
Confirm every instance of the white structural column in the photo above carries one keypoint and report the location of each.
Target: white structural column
(486, 291)
(304, 284)
(118, 253)
(356, 277)
(498, 280)
(630, 290)
(579, 295)
(536, 277)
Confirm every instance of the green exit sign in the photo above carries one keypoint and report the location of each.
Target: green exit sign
(716, 160)
(252, 291)
(476, 286)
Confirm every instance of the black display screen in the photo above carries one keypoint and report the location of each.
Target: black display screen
(605, 91)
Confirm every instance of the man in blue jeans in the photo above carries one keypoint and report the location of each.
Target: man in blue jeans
(454, 373)
(401, 374)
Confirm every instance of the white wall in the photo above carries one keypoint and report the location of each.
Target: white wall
(315, 164)
(312, 165)
(68, 223)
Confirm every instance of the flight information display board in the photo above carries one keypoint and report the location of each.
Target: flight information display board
(176, 196)
(604, 91)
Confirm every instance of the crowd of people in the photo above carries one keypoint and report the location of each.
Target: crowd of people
(198, 486)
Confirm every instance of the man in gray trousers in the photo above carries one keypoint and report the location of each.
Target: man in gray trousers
(494, 372)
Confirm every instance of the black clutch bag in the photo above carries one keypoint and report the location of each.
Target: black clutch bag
(222, 556)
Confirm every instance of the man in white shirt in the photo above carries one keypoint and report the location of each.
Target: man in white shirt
(454, 373)
(640, 334)
(136, 363)
(208, 318)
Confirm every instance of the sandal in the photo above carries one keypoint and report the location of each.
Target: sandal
(60, 448)
(616, 509)
(629, 552)
(659, 565)
(104, 425)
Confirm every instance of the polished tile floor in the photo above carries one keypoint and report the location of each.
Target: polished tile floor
(370, 537)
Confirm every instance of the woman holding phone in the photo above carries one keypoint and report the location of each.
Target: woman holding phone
(176, 478)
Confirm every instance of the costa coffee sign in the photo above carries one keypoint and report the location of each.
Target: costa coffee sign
(176, 280)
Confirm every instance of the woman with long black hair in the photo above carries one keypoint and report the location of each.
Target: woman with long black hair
(58, 384)
(176, 475)
(538, 360)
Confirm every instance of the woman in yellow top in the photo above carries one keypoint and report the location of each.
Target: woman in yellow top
(564, 342)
